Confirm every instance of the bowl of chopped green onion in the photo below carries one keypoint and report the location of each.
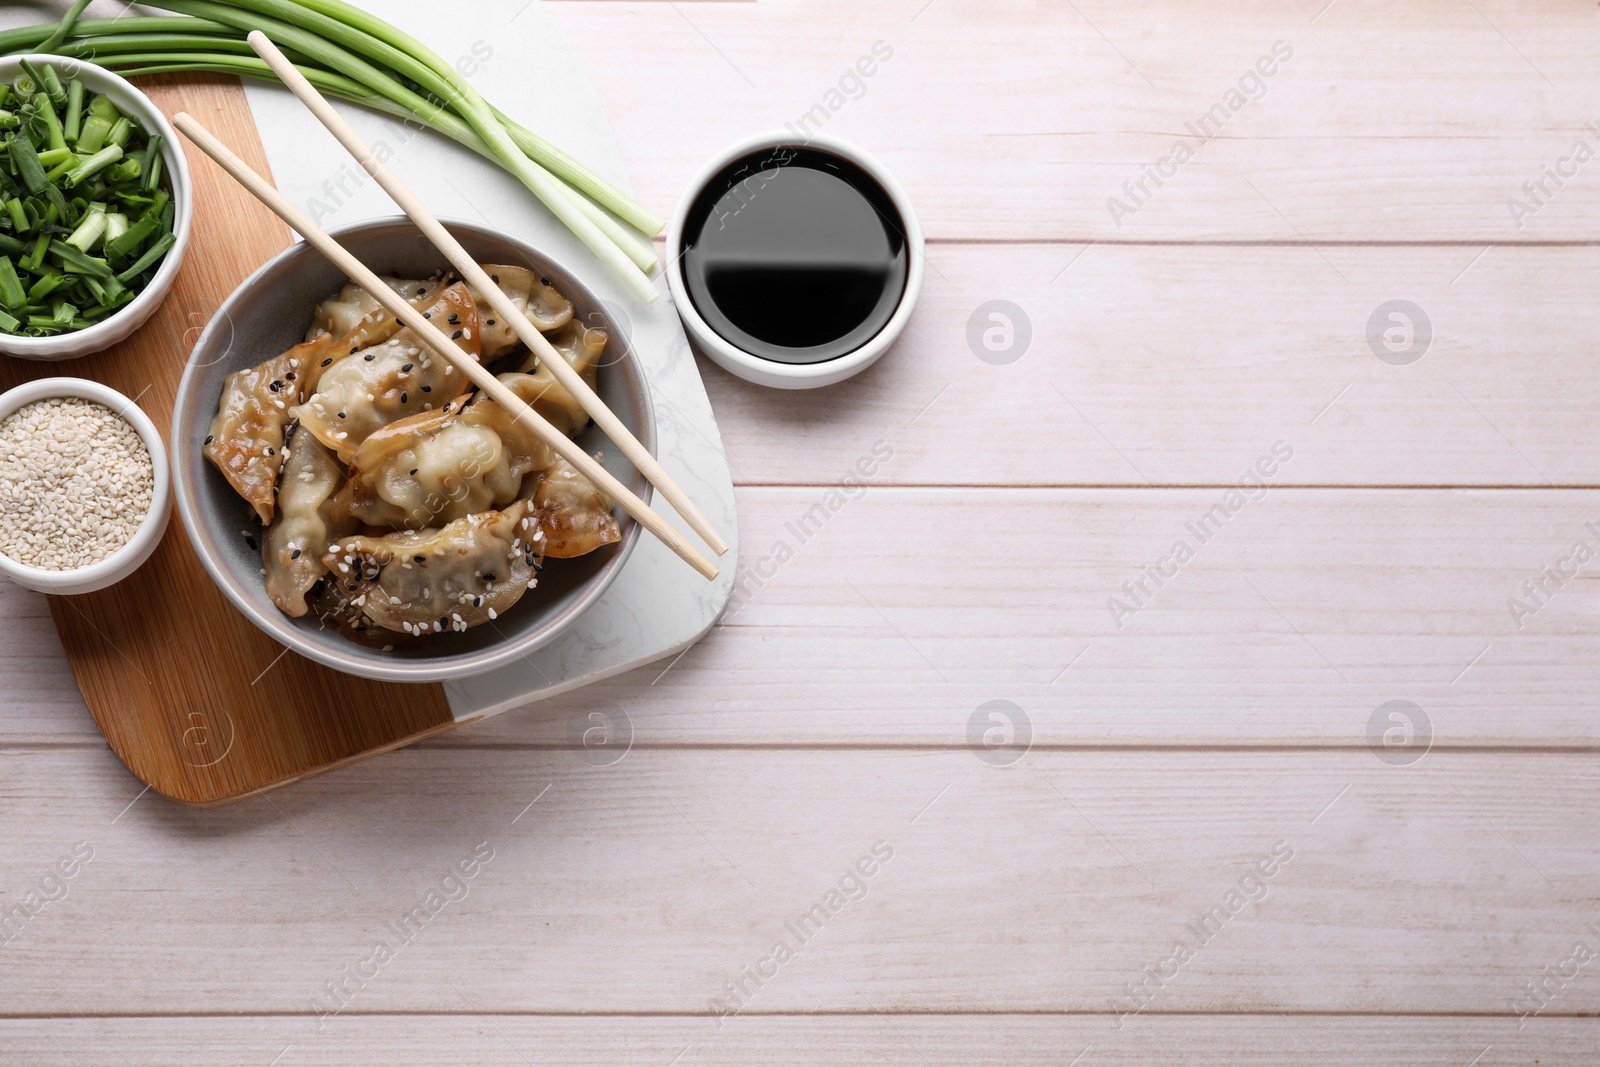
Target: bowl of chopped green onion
(95, 207)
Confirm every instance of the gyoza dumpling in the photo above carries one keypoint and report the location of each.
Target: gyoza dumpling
(439, 466)
(292, 547)
(581, 346)
(574, 515)
(544, 307)
(360, 394)
(355, 308)
(428, 581)
(246, 437)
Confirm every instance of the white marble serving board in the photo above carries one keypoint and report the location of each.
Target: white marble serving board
(520, 61)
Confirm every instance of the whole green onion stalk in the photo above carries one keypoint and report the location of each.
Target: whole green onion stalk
(352, 55)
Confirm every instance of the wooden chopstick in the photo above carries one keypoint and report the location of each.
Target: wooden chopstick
(437, 340)
(469, 269)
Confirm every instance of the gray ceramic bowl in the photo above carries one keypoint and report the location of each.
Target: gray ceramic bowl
(269, 313)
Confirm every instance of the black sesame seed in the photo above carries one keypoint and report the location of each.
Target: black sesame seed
(368, 357)
(289, 377)
(404, 397)
(488, 322)
(276, 384)
(543, 279)
(427, 314)
(251, 541)
(397, 322)
(341, 414)
(427, 388)
(495, 278)
(209, 439)
(295, 554)
(456, 336)
(413, 470)
(407, 368)
(488, 578)
(271, 451)
(422, 292)
(453, 319)
(420, 559)
(330, 359)
(354, 586)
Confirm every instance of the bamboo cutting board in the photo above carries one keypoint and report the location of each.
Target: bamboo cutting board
(200, 704)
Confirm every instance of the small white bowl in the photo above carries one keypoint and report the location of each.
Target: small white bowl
(768, 372)
(119, 325)
(127, 559)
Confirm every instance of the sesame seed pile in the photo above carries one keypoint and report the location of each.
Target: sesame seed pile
(75, 483)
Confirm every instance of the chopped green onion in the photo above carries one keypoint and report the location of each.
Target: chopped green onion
(46, 113)
(47, 284)
(77, 262)
(123, 246)
(120, 132)
(90, 230)
(74, 120)
(25, 159)
(53, 87)
(12, 294)
(151, 254)
(93, 165)
(94, 133)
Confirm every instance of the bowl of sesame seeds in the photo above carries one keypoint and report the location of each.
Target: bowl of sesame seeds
(84, 486)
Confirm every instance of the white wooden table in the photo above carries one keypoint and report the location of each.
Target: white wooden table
(1235, 708)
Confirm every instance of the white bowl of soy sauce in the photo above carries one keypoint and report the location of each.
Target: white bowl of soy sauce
(794, 263)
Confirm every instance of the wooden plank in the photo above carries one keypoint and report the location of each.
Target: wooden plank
(646, 885)
(174, 676)
(472, 1040)
(907, 609)
(1179, 366)
(1021, 121)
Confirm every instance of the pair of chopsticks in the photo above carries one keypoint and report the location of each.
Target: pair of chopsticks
(440, 342)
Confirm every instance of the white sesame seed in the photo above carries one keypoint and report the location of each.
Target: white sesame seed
(75, 483)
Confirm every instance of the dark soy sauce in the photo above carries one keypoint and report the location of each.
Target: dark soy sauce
(795, 255)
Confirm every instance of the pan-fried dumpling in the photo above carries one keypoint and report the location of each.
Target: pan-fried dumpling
(574, 515)
(428, 581)
(246, 437)
(436, 467)
(544, 307)
(355, 308)
(292, 548)
(360, 394)
(581, 346)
